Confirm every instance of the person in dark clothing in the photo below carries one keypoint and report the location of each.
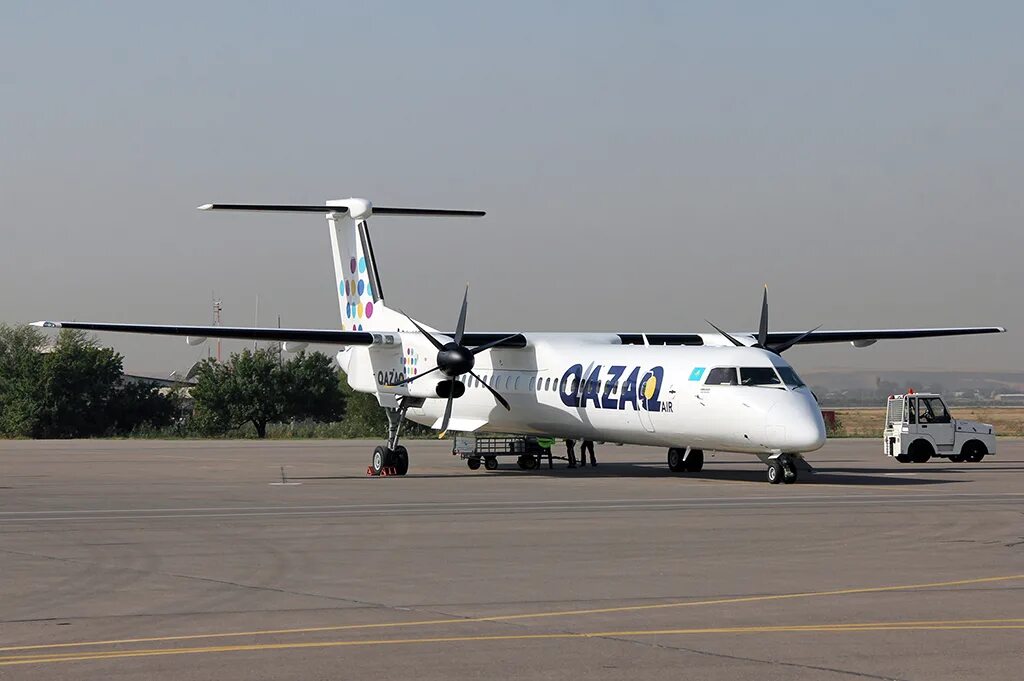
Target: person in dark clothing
(588, 445)
(570, 449)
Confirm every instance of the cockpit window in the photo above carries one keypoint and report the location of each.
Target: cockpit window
(722, 376)
(759, 376)
(789, 377)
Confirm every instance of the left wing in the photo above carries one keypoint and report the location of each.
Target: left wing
(322, 336)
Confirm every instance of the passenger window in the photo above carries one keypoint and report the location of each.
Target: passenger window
(516, 386)
(531, 383)
(722, 376)
(547, 383)
(554, 386)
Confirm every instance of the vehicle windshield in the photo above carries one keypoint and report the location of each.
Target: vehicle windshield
(759, 376)
(790, 378)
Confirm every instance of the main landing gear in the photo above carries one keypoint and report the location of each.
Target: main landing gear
(687, 460)
(782, 469)
(392, 459)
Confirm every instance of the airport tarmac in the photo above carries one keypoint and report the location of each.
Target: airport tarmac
(191, 560)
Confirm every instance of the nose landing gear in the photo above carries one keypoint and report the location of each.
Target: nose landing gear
(782, 468)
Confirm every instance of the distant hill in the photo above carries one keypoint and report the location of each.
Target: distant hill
(865, 387)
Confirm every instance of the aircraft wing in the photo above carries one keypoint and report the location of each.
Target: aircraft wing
(322, 336)
(859, 336)
(868, 336)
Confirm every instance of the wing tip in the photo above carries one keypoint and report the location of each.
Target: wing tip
(46, 325)
(205, 206)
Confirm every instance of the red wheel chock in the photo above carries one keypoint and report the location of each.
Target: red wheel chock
(385, 472)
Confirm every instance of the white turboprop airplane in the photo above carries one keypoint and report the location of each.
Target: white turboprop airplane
(684, 391)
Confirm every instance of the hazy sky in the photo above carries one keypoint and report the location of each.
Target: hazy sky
(644, 166)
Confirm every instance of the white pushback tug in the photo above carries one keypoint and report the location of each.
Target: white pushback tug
(919, 426)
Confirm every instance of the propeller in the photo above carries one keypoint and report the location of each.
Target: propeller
(762, 332)
(454, 360)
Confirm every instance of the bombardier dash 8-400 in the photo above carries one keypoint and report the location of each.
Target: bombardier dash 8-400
(688, 392)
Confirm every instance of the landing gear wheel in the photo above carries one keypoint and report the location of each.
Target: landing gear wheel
(491, 463)
(401, 459)
(675, 460)
(473, 464)
(380, 460)
(695, 461)
(789, 474)
(775, 472)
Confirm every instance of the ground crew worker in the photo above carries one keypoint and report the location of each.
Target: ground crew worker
(546, 443)
(587, 445)
(570, 449)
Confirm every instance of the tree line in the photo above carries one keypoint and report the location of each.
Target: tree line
(76, 388)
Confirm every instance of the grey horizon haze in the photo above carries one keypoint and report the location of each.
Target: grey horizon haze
(644, 166)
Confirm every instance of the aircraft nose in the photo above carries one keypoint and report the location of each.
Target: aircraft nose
(795, 423)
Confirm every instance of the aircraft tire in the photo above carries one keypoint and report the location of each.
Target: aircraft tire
(675, 460)
(473, 464)
(401, 458)
(695, 462)
(789, 475)
(775, 472)
(379, 460)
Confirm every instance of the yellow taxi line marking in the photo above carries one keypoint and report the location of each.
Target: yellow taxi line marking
(948, 625)
(528, 615)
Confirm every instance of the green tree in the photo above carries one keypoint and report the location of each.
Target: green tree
(74, 389)
(21, 369)
(79, 381)
(257, 388)
(312, 389)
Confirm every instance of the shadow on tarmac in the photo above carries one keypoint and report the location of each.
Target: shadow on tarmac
(868, 477)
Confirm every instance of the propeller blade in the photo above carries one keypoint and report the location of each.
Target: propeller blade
(460, 328)
(782, 347)
(447, 416)
(487, 346)
(762, 330)
(731, 339)
(411, 378)
(501, 400)
(430, 337)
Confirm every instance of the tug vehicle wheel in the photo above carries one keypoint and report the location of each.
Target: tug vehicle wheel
(491, 463)
(473, 464)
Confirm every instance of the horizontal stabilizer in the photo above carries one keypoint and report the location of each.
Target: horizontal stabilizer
(303, 208)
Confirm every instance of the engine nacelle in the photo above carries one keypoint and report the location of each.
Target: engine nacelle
(193, 340)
